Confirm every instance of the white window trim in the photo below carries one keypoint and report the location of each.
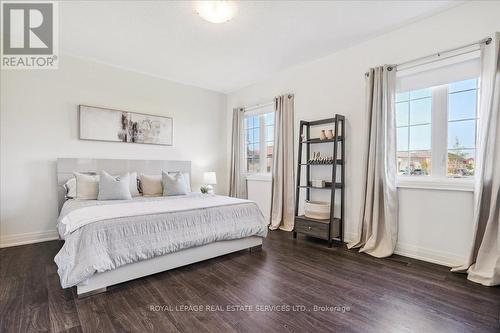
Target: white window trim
(432, 183)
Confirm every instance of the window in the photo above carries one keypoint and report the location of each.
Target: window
(413, 122)
(462, 128)
(259, 140)
(436, 122)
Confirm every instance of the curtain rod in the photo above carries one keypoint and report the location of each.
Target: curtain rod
(486, 41)
(257, 106)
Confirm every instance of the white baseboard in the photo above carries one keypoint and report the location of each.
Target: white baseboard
(429, 255)
(419, 253)
(28, 238)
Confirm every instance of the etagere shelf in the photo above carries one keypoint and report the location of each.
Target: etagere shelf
(331, 229)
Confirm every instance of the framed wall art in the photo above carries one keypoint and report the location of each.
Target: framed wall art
(101, 124)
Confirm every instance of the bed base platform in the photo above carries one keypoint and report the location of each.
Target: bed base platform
(100, 281)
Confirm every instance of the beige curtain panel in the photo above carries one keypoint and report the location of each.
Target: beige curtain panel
(483, 264)
(379, 224)
(237, 180)
(283, 199)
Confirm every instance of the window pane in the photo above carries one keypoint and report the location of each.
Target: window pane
(250, 136)
(402, 139)
(246, 121)
(402, 114)
(256, 149)
(250, 151)
(420, 111)
(403, 163)
(253, 165)
(462, 134)
(462, 105)
(462, 85)
(401, 97)
(461, 162)
(269, 149)
(420, 163)
(420, 137)
(256, 134)
(269, 118)
(269, 133)
(269, 164)
(421, 93)
(255, 121)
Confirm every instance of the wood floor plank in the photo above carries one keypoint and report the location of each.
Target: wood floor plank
(62, 309)
(93, 316)
(395, 294)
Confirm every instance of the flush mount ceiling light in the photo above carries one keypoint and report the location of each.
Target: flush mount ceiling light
(216, 11)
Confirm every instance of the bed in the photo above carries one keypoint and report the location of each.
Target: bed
(113, 241)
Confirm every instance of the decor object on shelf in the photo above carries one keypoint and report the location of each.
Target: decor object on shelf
(322, 136)
(317, 210)
(318, 159)
(318, 183)
(209, 179)
(328, 227)
(329, 134)
(103, 124)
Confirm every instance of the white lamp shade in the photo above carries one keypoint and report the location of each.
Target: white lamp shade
(209, 178)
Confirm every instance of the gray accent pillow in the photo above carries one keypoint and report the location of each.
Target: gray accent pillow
(111, 188)
(173, 184)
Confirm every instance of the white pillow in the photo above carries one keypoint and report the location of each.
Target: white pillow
(70, 187)
(151, 185)
(186, 179)
(174, 184)
(87, 186)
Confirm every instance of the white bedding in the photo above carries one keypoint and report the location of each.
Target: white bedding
(78, 218)
(104, 235)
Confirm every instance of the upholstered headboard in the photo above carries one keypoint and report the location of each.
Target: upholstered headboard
(66, 167)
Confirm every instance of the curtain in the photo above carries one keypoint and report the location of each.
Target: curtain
(483, 264)
(283, 198)
(237, 180)
(379, 212)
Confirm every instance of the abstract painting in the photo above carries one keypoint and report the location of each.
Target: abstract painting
(122, 126)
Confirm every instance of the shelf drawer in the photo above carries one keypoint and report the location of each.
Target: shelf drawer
(311, 228)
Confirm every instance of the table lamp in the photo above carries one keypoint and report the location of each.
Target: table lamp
(209, 179)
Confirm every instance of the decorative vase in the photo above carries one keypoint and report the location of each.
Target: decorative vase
(322, 136)
(329, 134)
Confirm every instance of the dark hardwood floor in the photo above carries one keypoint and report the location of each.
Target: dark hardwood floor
(356, 293)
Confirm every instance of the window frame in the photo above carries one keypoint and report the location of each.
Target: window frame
(438, 179)
(260, 112)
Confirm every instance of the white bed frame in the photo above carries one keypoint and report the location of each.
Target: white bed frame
(99, 282)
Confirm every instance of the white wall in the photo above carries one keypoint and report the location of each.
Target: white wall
(39, 124)
(434, 225)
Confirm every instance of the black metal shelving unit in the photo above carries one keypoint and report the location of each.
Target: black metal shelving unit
(333, 228)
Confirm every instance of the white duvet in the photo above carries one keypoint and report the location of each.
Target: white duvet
(104, 235)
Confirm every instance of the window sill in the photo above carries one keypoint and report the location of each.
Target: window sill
(261, 177)
(452, 184)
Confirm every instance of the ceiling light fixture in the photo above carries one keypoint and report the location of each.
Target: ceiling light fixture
(216, 11)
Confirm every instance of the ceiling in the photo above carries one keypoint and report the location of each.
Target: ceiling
(169, 40)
